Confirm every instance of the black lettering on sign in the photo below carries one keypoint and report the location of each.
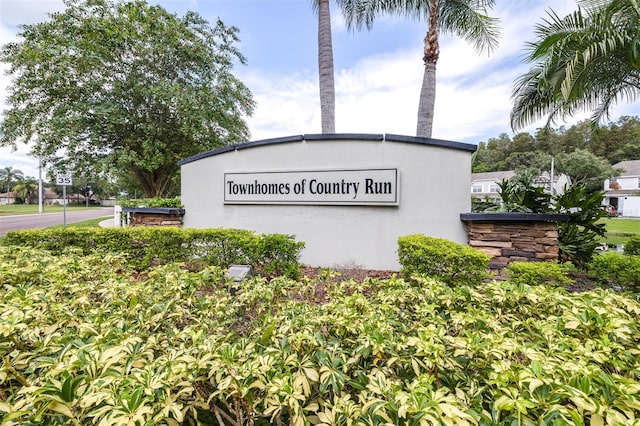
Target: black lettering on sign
(373, 187)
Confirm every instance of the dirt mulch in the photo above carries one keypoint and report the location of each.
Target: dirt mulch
(344, 274)
(582, 282)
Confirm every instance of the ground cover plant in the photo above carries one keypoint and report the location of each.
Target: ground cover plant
(86, 339)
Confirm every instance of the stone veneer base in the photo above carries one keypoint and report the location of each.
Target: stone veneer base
(154, 216)
(514, 237)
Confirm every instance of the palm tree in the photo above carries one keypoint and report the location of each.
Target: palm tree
(588, 60)
(8, 175)
(467, 19)
(325, 57)
(25, 188)
(325, 67)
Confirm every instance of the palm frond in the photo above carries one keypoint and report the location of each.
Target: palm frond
(469, 20)
(580, 62)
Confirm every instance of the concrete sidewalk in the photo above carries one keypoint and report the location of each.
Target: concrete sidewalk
(107, 223)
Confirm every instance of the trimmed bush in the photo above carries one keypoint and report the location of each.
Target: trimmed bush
(615, 269)
(535, 273)
(271, 254)
(152, 202)
(449, 262)
(632, 246)
(279, 255)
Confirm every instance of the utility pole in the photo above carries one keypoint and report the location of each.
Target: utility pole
(553, 188)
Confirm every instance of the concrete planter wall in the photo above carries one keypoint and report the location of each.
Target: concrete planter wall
(511, 237)
(154, 216)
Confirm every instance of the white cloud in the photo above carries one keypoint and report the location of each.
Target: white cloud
(19, 160)
(15, 12)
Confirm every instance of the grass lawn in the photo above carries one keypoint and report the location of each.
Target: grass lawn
(619, 230)
(17, 209)
(91, 223)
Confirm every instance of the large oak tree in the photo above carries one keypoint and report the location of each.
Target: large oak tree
(126, 88)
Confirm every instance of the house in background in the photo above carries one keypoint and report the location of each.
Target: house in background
(485, 185)
(623, 192)
(7, 198)
(50, 197)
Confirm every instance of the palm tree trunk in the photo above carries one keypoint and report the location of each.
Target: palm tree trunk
(325, 68)
(427, 101)
(428, 91)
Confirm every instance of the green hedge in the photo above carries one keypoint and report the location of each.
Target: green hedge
(452, 263)
(614, 269)
(269, 254)
(632, 246)
(152, 202)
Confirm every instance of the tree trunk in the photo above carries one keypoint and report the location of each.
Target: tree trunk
(428, 90)
(427, 102)
(154, 184)
(325, 68)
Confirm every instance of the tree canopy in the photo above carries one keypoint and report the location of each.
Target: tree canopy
(124, 87)
(586, 157)
(614, 142)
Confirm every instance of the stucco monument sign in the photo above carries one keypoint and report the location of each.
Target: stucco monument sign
(347, 196)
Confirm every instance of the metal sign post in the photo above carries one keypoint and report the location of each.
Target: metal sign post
(64, 207)
(64, 180)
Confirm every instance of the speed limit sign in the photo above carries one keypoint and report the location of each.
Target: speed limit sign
(64, 179)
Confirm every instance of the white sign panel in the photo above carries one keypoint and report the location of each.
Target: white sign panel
(64, 179)
(318, 187)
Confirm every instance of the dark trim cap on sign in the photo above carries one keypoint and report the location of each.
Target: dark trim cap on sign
(286, 139)
(428, 141)
(514, 217)
(244, 145)
(332, 137)
(343, 136)
(207, 154)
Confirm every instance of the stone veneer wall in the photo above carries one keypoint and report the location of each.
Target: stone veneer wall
(154, 216)
(155, 219)
(514, 237)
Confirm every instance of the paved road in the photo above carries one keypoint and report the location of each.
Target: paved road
(43, 220)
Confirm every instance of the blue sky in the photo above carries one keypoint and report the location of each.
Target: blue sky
(378, 72)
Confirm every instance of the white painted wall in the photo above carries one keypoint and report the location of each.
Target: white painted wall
(623, 183)
(629, 206)
(434, 181)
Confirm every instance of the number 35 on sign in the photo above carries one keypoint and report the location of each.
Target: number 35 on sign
(64, 180)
